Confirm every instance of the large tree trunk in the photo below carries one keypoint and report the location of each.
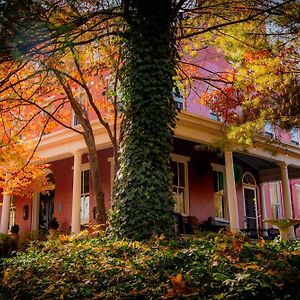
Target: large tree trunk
(143, 201)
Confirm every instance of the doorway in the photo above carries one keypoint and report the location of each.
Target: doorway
(46, 206)
(250, 208)
(249, 191)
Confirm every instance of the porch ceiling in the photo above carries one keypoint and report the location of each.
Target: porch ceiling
(268, 170)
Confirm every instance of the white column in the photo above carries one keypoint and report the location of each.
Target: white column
(231, 192)
(35, 214)
(287, 200)
(5, 214)
(75, 226)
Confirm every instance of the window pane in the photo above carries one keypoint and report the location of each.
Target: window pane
(294, 135)
(179, 201)
(275, 200)
(268, 127)
(85, 182)
(219, 205)
(215, 181)
(181, 174)
(221, 180)
(175, 173)
(84, 209)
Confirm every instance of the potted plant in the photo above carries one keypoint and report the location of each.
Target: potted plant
(53, 225)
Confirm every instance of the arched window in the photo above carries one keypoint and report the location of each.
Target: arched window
(249, 179)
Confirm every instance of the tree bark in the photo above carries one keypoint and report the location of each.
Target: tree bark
(143, 203)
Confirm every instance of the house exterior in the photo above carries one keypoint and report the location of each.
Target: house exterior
(238, 187)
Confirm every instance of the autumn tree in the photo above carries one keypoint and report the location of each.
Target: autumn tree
(36, 98)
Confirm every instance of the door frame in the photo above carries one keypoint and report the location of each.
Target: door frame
(255, 205)
(252, 187)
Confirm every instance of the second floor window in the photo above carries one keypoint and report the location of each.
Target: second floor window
(295, 136)
(214, 116)
(268, 129)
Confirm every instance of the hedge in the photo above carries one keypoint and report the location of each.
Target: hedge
(219, 266)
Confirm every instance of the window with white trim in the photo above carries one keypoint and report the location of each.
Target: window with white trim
(275, 196)
(220, 199)
(214, 116)
(177, 93)
(298, 198)
(268, 129)
(12, 212)
(85, 197)
(180, 183)
(295, 136)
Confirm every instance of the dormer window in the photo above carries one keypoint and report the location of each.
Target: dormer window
(177, 94)
(295, 136)
(214, 116)
(268, 129)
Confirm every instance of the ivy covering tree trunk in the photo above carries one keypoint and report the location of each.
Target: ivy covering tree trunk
(143, 203)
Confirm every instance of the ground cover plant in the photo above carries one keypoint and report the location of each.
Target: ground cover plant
(207, 267)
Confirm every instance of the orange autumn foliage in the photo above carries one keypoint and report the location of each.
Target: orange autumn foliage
(17, 175)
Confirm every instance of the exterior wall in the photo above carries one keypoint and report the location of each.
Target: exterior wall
(25, 225)
(63, 176)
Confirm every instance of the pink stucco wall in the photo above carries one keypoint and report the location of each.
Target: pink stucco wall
(200, 188)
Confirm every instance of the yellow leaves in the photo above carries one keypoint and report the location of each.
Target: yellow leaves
(5, 274)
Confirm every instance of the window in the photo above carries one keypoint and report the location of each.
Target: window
(177, 93)
(220, 200)
(12, 212)
(214, 116)
(85, 197)
(298, 198)
(219, 203)
(249, 179)
(180, 183)
(295, 136)
(275, 200)
(268, 129)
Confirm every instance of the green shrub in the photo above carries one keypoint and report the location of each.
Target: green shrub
(208, 267)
